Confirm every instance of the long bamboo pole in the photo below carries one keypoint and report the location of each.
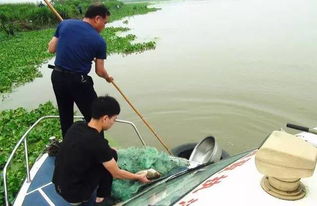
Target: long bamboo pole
(119, 90)
(139, 114)
(53, 10)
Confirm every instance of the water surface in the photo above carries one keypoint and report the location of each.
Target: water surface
(232, 69)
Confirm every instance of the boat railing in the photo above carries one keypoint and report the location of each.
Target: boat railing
(24, 140)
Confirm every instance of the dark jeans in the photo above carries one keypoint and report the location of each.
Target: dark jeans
(70, 88)
(104, 186)
(91, 201)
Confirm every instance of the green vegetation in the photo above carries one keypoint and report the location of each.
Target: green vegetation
(25, 17)
(125, 45)
(20, 55)
(22, 52)
(13, 124)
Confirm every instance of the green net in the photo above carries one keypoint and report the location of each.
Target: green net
(134, 159)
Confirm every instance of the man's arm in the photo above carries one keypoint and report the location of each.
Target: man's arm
(118, 173)
(52, 45)
(101, 70)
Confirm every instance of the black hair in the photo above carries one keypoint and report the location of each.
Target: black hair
(105, 105)
(97, 10)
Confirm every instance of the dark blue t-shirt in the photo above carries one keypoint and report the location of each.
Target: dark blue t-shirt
(78, 44)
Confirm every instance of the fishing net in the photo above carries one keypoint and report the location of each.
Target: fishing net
(134, 159)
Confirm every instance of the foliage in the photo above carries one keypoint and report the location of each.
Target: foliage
(13, 124)
(124, 44)
(5, 25)
(26, 17)
(20, 55)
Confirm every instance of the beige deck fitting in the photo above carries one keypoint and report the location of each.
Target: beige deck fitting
(284, 159)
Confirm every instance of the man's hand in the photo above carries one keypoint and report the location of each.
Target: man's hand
(142, 178)
(101, 70)
(109, 79)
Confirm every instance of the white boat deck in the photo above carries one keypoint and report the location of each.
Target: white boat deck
(239, 184)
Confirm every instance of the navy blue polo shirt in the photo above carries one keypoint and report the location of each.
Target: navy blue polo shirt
(78, 44)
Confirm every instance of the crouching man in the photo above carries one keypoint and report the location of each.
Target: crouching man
(85, 163)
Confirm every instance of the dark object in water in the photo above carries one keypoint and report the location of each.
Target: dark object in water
(185, 150)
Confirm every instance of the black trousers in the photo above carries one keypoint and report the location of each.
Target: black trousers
(105, 183)
(70, 88)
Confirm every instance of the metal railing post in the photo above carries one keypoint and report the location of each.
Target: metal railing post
(135, 129)
(28, 177)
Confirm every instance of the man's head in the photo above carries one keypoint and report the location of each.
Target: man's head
(105, 110)
(97, 15)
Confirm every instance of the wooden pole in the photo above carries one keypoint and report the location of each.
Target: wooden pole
(53, 10)
(119, 90)
(139, 114)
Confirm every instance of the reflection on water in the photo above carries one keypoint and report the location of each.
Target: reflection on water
(232, 69)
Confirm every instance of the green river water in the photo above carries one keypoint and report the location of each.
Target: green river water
(232, 69)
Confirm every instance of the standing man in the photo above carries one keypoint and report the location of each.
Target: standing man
(77, 43)
(85, 162)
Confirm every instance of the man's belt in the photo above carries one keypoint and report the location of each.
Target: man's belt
(60, 69)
